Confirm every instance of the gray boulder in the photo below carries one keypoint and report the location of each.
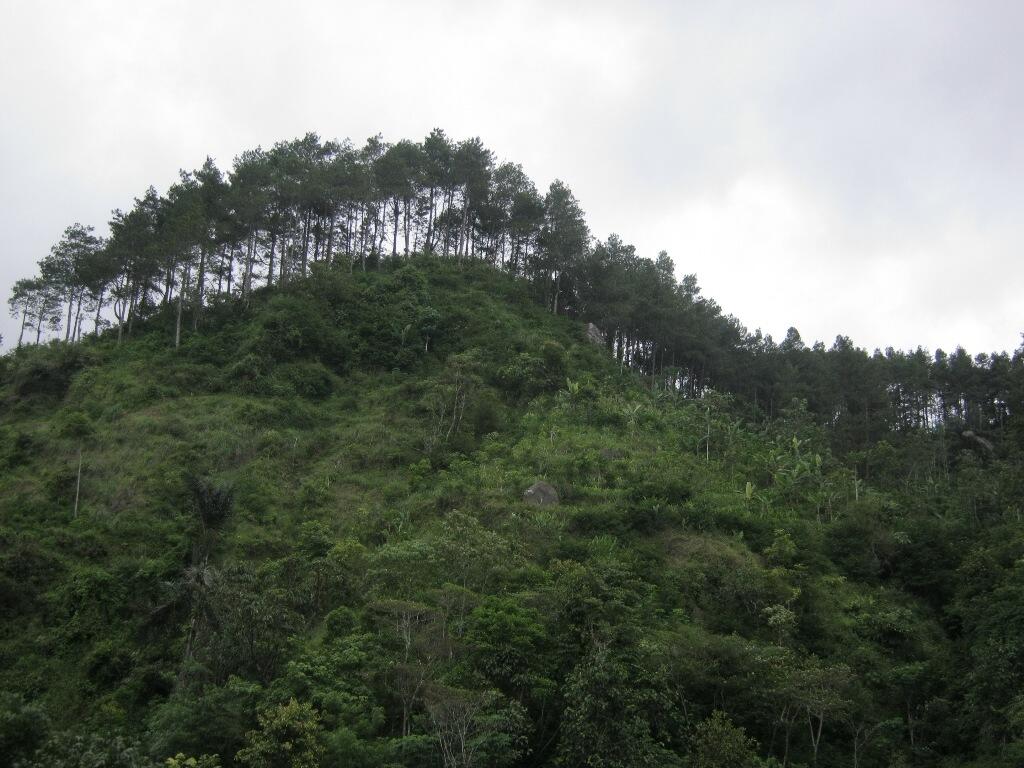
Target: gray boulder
(595, 335)
(541, 494)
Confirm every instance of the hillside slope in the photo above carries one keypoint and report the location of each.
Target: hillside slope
(301, 539)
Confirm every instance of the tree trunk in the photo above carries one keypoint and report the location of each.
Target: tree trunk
(405, 222)
(168, 283)
(428, 244)
(78, 482)
(382, 233)
(247, 272)
(78, 314)
(99, 307)
(394, 232)
(67, 327)
(305, 243)
(329, 247)
(269, 271)
(446, 203)
(815, 734)
(181, 302)
(131, 309)
(230, 268)
(200, 285)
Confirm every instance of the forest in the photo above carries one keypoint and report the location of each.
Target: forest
(265, 453)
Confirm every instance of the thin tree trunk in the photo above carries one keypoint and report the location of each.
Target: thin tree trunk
(231, 268)
(67, 327)
(446, 205)
(429, 243)
(815, 735)
(200, 285)
(168, 283)
(78, 315)
(99, 307)
(247, 272)
(181, 302)
(330, 241)
(394, 232)
(131, 309)
(382, 233)
(270, 270)
(78, 482)
(376, 224)
(305, 243)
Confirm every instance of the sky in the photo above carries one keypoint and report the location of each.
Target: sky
(850, 168)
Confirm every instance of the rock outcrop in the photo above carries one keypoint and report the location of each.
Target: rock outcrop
(541, 494)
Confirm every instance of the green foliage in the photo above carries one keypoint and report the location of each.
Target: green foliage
(43, 372)
(476, 728)
(203, 761)
(614, 714)
(73, 425)
(312, 510)
(529, 375)
(717, 743)
(289, 737)
(510, 648)
(204, 719)
(94, 751)
(23, 727)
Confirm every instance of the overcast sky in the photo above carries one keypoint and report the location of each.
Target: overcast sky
(851, 168)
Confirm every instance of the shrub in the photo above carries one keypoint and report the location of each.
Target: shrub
(298, 328)
(23, 727)
(46, 370)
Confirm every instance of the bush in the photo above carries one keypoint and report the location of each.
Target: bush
(68, 750)
(23, 727)
(289, 737)
(298, 328)
(108, 663)
(46, 371)
(15, 447)
(72, 424)
(717, 743)
(307, 379)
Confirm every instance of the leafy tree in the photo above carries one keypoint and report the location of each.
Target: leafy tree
(475, 728)
(717, 743)
(289, 737)
(612, 715)
(563, 241)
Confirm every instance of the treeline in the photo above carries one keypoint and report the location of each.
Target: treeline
(279, 213)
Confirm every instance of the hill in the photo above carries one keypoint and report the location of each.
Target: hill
(300, 538)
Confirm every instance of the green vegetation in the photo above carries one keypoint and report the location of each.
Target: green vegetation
(285, 525)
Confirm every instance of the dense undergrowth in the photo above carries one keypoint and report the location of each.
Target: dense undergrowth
(300, 539)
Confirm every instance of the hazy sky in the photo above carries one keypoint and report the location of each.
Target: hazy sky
(850, 168)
